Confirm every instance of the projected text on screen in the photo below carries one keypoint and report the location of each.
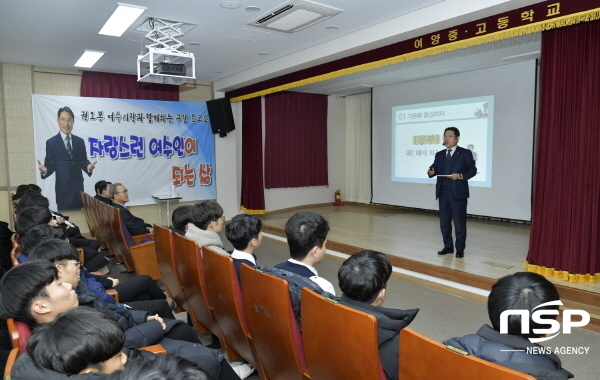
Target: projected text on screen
(417, 135)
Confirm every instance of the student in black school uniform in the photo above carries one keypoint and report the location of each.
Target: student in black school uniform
(306, 233)
(244, 233)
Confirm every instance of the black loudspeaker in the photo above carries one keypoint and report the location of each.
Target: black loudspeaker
(221, 118)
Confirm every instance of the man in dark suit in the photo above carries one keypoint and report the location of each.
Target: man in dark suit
(454, 166)
(66, 155)
(135, 225)
(102, 194)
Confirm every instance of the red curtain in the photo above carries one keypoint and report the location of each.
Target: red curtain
(253, 194)
(566, 210)
(121, 86)
(295, 140)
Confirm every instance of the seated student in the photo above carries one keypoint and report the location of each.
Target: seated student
(138, 288)
(363, 279)
(160, 367)
(65, 348)
(181, 216)
(306, 233)
(91, 247)
(102, 193)
(33, 293)
(62, 254)
(32, 217)
(21, 190)
(92, 356)
(206, 225)
(135, 225)
(36, 235)
(244, 233)
(518, 291)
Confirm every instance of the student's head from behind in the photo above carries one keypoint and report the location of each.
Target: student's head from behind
(181, 216)
(38, 234)
(208, 215)
(80, 340)
(32, 216)
(520, 291)
(363, 277)
(32, 293)
(33, 198)
(101, 188)
(161, 367)
(22, 189)
(63, 255)
(306, 233)
(244, 231)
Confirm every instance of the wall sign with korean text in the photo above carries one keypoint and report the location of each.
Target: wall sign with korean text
(147, 145)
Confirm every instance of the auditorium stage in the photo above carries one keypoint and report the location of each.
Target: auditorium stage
(411, 238)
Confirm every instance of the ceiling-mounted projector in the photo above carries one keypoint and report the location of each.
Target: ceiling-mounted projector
(166, 62)
(168, 69)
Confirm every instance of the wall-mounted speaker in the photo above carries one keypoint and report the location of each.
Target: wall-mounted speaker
(221, 117)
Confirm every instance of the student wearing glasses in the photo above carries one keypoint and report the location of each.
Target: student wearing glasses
(138, 293)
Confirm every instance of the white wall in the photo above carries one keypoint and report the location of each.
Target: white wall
(226, 157)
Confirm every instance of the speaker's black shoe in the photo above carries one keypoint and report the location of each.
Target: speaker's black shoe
(446, 251)
(460, 253)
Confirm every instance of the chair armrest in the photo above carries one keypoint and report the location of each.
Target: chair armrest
(14, 333)
(12, 358)
(156, 349)
(114, 293)
(138, 238)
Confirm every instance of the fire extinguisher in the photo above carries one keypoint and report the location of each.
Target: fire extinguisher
(338, 198)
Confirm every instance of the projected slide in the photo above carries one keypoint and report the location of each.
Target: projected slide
(418, 134)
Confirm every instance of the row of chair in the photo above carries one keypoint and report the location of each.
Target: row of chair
(257, 323)
(106, 224)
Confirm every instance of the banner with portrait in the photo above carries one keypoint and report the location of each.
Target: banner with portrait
(151, 147)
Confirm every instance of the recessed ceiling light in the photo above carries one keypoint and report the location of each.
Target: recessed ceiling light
(121, 19)
(332, 27)
(194, 43)
(252, 8)
(230, 4)
(263, 53)
(89, 58)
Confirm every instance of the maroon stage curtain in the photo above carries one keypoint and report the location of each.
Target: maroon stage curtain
(121, 86)
(253, 193)
(566, 210)
(295, 140)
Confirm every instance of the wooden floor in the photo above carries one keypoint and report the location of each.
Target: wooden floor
(411, 239)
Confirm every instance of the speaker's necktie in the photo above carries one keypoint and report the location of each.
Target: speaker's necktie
(449, 155)
(69, 147)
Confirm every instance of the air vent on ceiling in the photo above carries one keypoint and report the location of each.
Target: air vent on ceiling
(295, 15)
